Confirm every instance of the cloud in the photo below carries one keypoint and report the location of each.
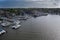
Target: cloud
(29, 3)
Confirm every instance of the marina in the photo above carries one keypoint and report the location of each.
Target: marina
(44, 26)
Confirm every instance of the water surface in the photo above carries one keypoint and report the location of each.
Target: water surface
(39, 28)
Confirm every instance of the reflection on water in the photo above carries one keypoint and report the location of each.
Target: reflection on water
(40, 28)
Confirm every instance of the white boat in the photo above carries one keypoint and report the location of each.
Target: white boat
(23, 18)
(0, 21)
(2, 31)
(15, 26)
(5, 23)
(16, 22)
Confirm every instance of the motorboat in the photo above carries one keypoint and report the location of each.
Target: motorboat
(16, 22)
(2, 31)
(0, 21)
(5, 23)
(40, 14)
(16, 26)
(23, 18)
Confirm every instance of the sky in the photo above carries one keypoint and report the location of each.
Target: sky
(29, 3)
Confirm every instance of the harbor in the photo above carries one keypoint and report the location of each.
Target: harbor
(34, 25)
